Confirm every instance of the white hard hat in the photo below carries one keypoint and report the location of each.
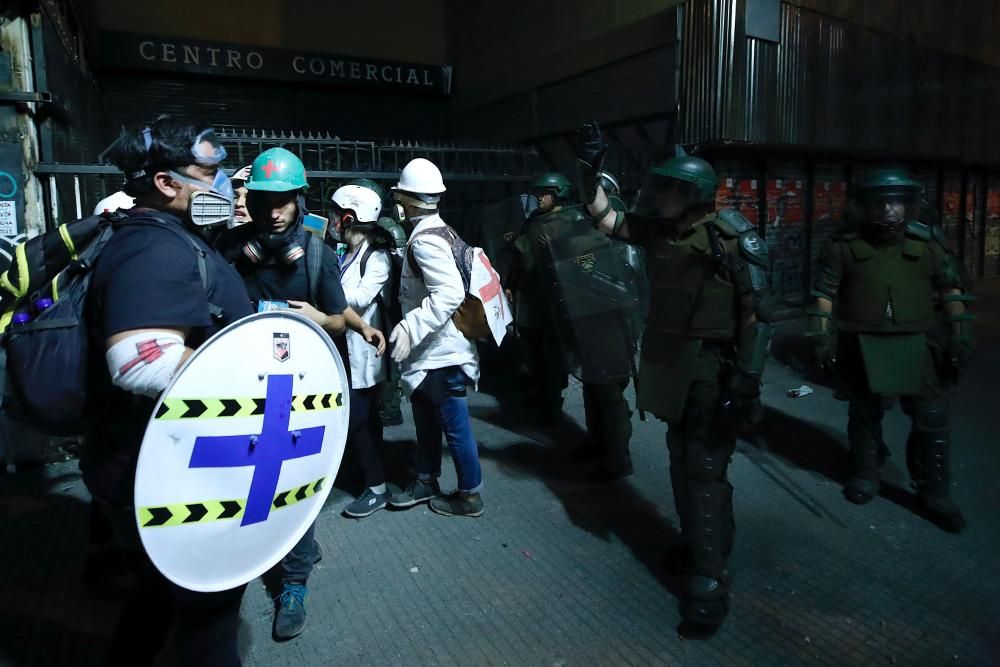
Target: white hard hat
(420, 176)
(113, 202)
(365, 203)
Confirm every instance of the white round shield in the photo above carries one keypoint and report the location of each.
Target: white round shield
(241, 451)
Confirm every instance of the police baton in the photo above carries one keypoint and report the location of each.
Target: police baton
(852, 399)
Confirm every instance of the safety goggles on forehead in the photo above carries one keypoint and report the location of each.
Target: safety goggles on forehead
(206, 149)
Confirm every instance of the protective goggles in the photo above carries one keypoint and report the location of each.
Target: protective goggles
(206, 157)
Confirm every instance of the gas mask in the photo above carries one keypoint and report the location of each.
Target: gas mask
(209, 205)
(284, 248)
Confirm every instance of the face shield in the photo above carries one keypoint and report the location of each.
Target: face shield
(887, 210)
(664, 198)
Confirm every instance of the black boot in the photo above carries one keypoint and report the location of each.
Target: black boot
(706, 601)
(928, 450)
(864, 483)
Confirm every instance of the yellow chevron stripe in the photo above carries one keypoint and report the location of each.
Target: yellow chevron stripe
(176, 408)
(214, 509)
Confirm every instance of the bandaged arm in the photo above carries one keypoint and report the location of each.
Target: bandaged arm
(143, 361)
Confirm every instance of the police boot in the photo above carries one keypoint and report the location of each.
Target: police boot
(928, 449)
(678, 560)
(706, 601)
(864, 484)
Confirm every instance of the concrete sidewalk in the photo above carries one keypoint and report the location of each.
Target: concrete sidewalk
(562, 572)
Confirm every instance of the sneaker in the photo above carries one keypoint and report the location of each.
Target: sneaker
(367, 503)
(290, 612)
(458, 503)
(417, 492)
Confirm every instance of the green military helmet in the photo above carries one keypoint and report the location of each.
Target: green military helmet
(370, 184)
(277, 170)
(555, 182)
(394, 229)
(697, 174)
(888, 180)
(690, 170)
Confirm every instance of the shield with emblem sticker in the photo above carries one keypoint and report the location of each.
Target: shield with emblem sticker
(594, 298)
(241, 451)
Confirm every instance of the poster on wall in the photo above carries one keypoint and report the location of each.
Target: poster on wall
(740, 194)
(785, 236)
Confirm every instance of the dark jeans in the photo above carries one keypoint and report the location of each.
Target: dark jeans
(298, 563)
(440, 406)
(364, 433)
(205, 624)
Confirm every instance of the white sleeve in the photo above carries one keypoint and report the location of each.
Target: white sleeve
(144, 363)
(376, 276)
(442, 280)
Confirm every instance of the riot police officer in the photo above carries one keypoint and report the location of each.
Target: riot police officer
(703, 351)
(543, 371)
(893, 278)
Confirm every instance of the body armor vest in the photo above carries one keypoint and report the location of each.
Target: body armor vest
(887, 289)
(689, 298)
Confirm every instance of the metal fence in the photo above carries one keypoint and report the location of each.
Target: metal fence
(475, 173)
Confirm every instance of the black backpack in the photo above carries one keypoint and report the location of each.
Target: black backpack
(387, 299)
(57, 376)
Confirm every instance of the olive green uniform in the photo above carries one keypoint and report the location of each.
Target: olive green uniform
(700, 342)
(545, 369)
(886, 298)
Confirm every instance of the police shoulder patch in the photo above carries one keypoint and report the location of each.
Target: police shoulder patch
(918, 230)
(732, 223)
(753, 248)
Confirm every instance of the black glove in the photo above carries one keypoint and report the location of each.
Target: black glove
(593, 148)
(822, 353)
(960, 352)
(744, 390)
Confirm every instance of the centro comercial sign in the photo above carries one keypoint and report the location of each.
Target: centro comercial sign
(166, 54)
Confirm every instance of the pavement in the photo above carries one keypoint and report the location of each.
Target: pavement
(563, 572)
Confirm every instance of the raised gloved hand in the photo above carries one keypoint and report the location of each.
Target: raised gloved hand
(593, 148)
(400, 341)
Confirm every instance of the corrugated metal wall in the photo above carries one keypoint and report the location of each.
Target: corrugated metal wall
(832, 85)
(641, 85)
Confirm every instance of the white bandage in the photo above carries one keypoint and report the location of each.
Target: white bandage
(144, 363)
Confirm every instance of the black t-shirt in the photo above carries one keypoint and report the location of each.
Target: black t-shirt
(147, 277)
(274, 281)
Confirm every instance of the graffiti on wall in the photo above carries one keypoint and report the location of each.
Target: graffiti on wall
(785, 235)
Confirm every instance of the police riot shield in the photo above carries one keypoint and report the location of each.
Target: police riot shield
(241, 451)
(499, 225)
(596, 305)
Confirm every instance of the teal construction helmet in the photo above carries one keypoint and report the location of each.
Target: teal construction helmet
(554, 182)
(277, 170)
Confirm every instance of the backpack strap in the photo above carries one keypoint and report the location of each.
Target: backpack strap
(446, 233)
(215, 311)
(314, 264)
(364, 258)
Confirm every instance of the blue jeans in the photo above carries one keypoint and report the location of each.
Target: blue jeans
(440, 406)
(298, 563)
